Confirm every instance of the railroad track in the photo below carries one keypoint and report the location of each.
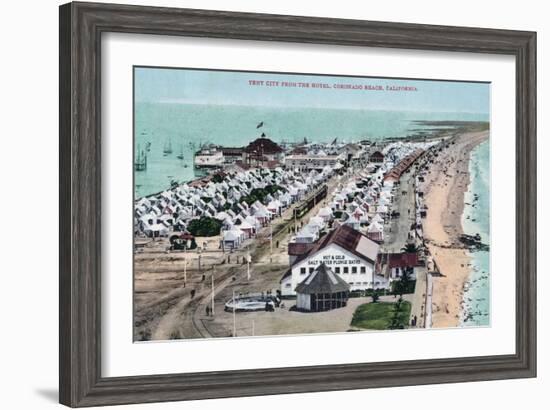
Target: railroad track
(205, 299)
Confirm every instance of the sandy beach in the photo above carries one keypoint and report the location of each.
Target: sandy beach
(445, 184)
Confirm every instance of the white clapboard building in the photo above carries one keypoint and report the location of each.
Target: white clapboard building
(348, 253)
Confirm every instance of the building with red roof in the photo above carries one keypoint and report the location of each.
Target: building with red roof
(347, 252)
(262, 151)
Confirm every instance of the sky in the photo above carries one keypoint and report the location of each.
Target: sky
(192, 86)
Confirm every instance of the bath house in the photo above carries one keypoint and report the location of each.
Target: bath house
(347, 252)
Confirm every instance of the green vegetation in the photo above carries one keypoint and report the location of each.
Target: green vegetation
(217, 178)
(398, 320)
(204, 226)
(401, 288)
(405, 284)
(410, 247)
(367, 292)
(382, 315)
(259, 194)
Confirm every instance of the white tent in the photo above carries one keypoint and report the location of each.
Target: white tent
(222, 216)
(149, 219)
(252, 221)
(293, 191)
(247, 228)
(285, 199)
(317, 221)
(233, 238)
(325, 213)
(156, 230)
(339, 198)
(375, 227)
(262, 213)
(274, 206)
(308, 234)
(377, 219)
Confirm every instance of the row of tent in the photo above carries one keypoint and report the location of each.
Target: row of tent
(172, 209)
(367, 203)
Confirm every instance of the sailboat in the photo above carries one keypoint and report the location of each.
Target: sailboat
(180, 155)
(140, 163)
(167, 147)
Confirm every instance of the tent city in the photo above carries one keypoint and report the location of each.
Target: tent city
(263, 220)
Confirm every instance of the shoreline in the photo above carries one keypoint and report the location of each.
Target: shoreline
(476, 301)
(445, 186)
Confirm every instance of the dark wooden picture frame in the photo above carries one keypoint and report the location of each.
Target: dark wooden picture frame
(81, 28)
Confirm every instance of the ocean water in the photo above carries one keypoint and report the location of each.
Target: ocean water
(476, 219)
(186, 126)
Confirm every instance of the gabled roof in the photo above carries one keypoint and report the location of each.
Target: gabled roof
(322, 280)
(401, 260)
(349, 239)
(299, 248)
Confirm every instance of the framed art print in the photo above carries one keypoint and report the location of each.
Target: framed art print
(258, 204)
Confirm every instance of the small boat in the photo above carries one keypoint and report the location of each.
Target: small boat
(180, 155)
(167, 148)
(140, 163)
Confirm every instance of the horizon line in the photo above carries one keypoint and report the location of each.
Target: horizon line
(176, 102)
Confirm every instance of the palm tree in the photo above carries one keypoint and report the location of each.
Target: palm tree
(406, 276)
(410, 247)
(395, 323)
(398, 289)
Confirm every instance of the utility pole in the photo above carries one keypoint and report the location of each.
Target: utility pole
(234, 317)
(270, 242)
(187, 245)
(199, 252)
(212, 292)
(247, 264)
(185, 271)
